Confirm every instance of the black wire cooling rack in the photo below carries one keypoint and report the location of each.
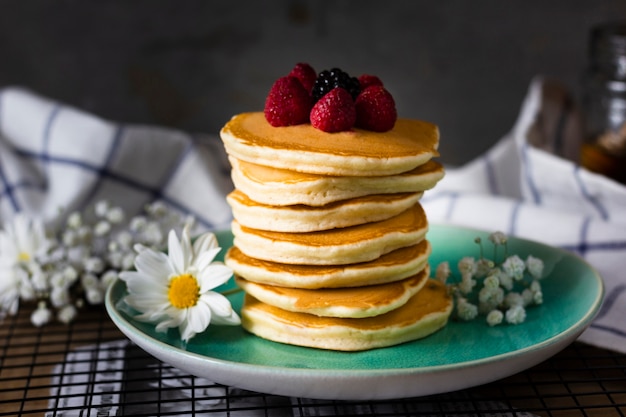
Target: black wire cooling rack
(88, 368)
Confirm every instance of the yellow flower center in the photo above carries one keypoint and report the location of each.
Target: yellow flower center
(23, 257)
(184, 291)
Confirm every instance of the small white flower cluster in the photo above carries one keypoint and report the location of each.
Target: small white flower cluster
(499, 291)
(61, 271)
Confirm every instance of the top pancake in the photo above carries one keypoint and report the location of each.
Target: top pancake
(411, 143)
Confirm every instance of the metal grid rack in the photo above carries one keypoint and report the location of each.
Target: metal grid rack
(88, 368)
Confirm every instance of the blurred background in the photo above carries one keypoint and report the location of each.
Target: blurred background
(191, 64)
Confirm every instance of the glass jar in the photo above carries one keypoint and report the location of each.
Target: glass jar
(604, 102)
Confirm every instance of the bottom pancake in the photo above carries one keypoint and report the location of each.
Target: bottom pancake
(350, 302)
(425, 313)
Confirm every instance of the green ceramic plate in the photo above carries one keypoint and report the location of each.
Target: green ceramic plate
(458, 356)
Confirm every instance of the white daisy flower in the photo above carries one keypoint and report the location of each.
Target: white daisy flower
(175, 290)
(21, 241)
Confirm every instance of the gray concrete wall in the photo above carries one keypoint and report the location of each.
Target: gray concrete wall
(191, 64)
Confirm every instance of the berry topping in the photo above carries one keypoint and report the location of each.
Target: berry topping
(306, 74)
(367, 80)
(375, 109)
(329, 79)
(288, 103)
(334, 112)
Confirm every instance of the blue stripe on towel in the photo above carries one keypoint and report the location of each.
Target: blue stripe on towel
(103, 171)
(527, 170)
(612, 330)
(8, 188)
(514, 218)
(602, 211)
(491, 175)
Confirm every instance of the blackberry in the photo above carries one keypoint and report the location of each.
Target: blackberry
(329, 79)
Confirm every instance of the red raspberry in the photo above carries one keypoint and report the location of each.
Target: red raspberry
(334, 112)
(306, 74)
(367, 80)
(375, 109)
(287, 103)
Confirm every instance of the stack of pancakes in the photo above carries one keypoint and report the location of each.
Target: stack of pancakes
(329, 234)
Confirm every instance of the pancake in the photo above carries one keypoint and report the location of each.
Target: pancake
(355, 302)
(283, 187)
(301, 218)
(396, 265)
(348, 245)
(424, 313)
(249, 137)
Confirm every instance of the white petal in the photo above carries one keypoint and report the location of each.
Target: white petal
(205, 258)
(218, 304)
(175, 254)
(230, 320)
(204, 242)
(153, 263)
(199, 317)
(214, 276)
(185, 242)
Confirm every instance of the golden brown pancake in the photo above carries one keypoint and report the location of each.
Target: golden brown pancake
(282, 187)
(302, 218)
(393, 266)
(353, 302)
(249, 137)
(425, 313)
(348, 245)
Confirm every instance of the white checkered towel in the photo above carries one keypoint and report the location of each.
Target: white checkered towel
(527, 186)
(53, 156)
(56, 157)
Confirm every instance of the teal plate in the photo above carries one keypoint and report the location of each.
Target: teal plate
(461, 355)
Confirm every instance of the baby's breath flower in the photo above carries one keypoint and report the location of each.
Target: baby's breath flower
(108, 278)
(467, 266)
(41, 315)
(489, 298)
(513, 299)
(506, 281)
(515, 314)
(67, 314)
(527, 297)
(498, 238)
(60, 296)
(137, 223)
(534, 267)
(124, 239)
(494, 317)
(70, 237)
(157, 209)
(500, 289)
(84, 234)
(467, 284)
(89, 281)
(466, 310)
(443, 272)
(127, 261)
(102, 228)
(535, 288)
(102, 208)
(94, 264)
(94, 295)
(74, 220)
(152, 233)
(115, 215)
(491, 282)
(514, 267)
(484, 267)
